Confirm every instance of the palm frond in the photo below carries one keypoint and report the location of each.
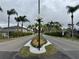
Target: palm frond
(76, 7)
(77, 24)
(72, 9)
(1, 9)
(39, 20)
(26, 20)
(12, 11)
(23, 19)
(51, 22)
(17, 19)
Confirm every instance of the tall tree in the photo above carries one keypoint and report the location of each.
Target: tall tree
(72, 10)
(9, 13)
(53, 26)
(23, 19)
(17, 20)
(1, 9)
(29, 27)
(50, 25)
(57, 24)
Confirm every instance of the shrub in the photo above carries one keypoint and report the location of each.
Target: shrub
(54, 34)
(50, 50)
(35, 42)
(19, 34)
(76, 35)
(1, 36)
(25, 52)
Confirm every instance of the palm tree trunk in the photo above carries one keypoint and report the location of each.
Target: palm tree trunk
(72, 25)
(50, 27)
(8, 25)
(17, 26)
(39, 34)
(22, 27)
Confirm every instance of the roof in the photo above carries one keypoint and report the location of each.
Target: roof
(14, 27)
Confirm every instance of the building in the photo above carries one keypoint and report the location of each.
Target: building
(5, 30)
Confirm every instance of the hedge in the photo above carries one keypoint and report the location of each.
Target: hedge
(19, 34)
(54, 34)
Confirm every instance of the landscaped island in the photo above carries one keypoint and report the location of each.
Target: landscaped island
(31, 48)
(47, 50)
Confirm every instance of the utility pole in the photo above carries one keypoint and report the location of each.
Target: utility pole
(38, 7)
(39, 22)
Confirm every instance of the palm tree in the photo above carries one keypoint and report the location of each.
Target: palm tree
(57, 24)
(1, 9)
(51, 24)
(48, 27)
(23, 19)
(72, 10)
(29, 27)
(36, 25)
(77, 24)
(17, 20)
(9, 13)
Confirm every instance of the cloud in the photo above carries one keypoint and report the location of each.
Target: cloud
(54, 10)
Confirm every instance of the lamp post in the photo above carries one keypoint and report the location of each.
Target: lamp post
(39, 31)
(39, 34)
(39, 22)
(38, 7)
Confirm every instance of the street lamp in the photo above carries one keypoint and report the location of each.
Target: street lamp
(39, 22)
(39, 30)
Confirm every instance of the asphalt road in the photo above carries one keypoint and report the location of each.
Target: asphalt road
(71, 48)
(14, 45)
(9, 49)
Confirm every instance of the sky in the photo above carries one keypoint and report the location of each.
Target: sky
(51, 10)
